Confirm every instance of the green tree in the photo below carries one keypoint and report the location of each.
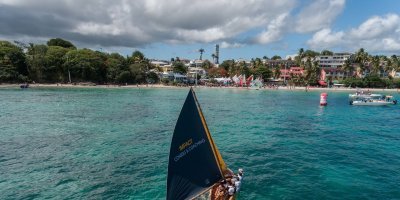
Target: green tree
(277, 72)
(85, 65)
(395, 64)
(310, 53)
(12, 63)
(361, 58)
(116, 64)
(152, 77)
(376, 67)
(137, 57)
(276, 57)
(347, 67)
(179, 67)
(53, 70)
(139, 67)
(326, 53)
(61, 43)
(263, 72)
(258, 63)
(36, 59)
(301, 53)
(207, 64)
(229, 66)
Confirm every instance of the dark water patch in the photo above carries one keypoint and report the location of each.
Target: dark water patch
(66, 181)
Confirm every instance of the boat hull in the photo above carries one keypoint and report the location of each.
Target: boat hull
(357, 103)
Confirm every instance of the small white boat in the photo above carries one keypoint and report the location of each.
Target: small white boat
(371, 100)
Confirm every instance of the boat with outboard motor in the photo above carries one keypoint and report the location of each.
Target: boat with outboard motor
(369, 99)
(196, 169)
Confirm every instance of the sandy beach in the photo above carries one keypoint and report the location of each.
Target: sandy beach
(297, 88)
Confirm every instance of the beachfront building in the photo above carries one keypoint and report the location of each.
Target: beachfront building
(329, 75)
(166, 68)
(280, 62)
(196, 71)
(180, 78)
(287, 74)
(336, 60)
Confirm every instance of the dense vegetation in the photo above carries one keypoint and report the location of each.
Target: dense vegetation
(59, 61)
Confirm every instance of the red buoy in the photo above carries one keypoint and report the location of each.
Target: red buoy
(323, 101)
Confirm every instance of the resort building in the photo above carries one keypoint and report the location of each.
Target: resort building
(282, 63)
(331, 74)
(287, 74)
(334, 61)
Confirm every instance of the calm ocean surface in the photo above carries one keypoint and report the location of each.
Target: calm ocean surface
(114, 143)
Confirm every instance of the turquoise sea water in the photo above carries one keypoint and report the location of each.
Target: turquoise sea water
(114, 143)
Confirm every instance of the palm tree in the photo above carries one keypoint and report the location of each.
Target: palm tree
(361, 58)
(387, 65)
(376, 67)
(395, 64)
(347, 67)
(252, 63)
(277, 72)
(301, 53)
(258, 63)
(299, 56)
(201, 53)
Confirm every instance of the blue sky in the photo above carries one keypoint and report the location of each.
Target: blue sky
(171, 28)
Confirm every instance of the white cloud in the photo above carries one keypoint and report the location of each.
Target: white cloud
(325, 38)
(376, 34)
(227, 45)
(320, 14)
(376, 26)
(140, 22)
(274, 31)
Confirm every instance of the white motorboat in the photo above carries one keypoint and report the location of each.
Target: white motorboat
(371, 100)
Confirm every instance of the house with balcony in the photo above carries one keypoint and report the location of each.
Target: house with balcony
(336, 60)
(279, 63)
(287, 74)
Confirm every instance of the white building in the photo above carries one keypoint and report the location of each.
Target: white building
(334, 61)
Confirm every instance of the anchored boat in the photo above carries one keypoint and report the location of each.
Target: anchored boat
(196, 169)
(371, 100)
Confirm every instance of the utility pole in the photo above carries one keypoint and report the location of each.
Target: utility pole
(195, 79)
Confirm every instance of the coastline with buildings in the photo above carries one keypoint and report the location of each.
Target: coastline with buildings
(60, 62)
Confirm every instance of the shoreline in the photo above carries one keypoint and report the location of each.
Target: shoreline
(201, 86)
